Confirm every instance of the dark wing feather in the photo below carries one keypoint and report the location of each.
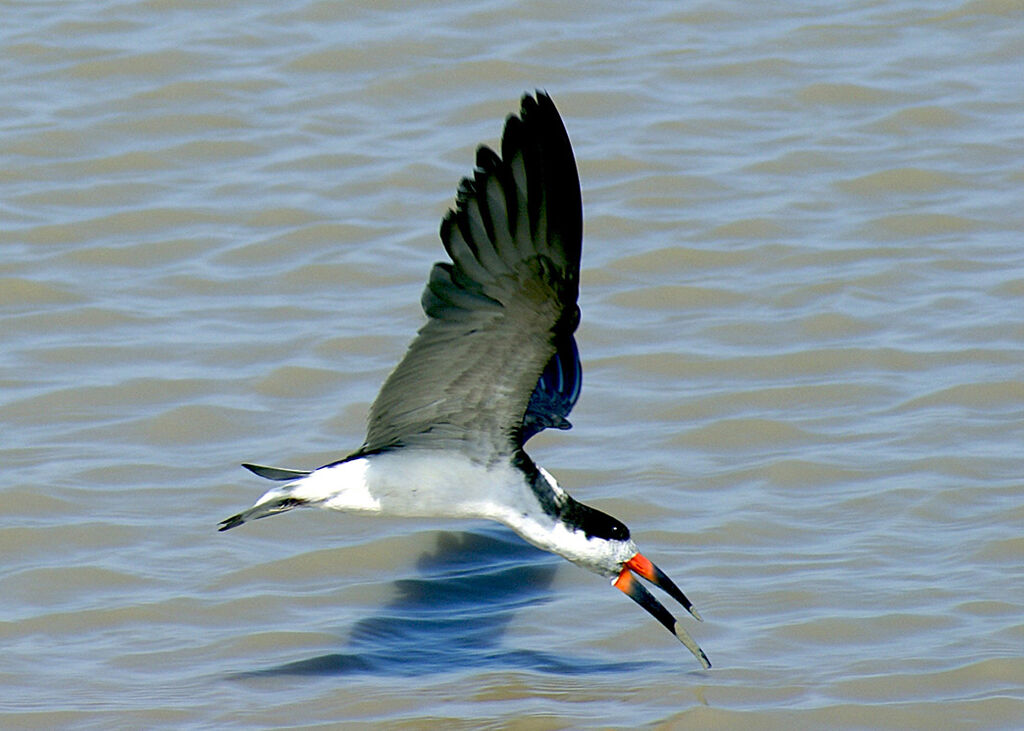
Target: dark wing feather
(274, 473)
(556, 393)
(496, 312)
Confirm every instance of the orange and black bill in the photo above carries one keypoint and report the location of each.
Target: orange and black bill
(638, 593)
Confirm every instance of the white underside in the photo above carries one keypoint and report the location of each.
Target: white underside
(426, 484)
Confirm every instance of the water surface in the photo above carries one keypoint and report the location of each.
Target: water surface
(803, 281)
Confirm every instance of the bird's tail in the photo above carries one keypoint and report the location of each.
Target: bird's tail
(279, 500)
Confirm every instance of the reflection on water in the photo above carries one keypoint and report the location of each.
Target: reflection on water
(453, 617)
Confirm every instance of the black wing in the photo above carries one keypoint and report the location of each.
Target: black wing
(498, 311)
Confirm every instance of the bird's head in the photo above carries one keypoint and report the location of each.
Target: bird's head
(602, 544)
(598, 542)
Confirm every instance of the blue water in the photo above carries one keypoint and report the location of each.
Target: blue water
(801, 339)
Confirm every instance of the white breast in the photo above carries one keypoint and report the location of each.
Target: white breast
(433, 484)
(419, 483)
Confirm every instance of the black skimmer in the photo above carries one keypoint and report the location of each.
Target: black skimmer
(495, 363)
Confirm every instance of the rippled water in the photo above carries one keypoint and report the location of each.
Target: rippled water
(802, 295)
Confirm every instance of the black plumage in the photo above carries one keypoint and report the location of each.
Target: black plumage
(501, 309)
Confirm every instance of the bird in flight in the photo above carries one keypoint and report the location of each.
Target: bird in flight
(495, 363)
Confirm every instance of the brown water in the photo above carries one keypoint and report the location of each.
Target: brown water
(802, 295)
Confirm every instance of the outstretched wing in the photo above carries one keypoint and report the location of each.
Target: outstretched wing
(498, 311)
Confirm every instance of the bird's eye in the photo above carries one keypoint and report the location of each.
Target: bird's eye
(594, 523)
(605, 526)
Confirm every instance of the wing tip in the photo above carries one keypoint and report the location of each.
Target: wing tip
(279, 474)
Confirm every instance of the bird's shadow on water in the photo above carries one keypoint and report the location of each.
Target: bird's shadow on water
(452, 617)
